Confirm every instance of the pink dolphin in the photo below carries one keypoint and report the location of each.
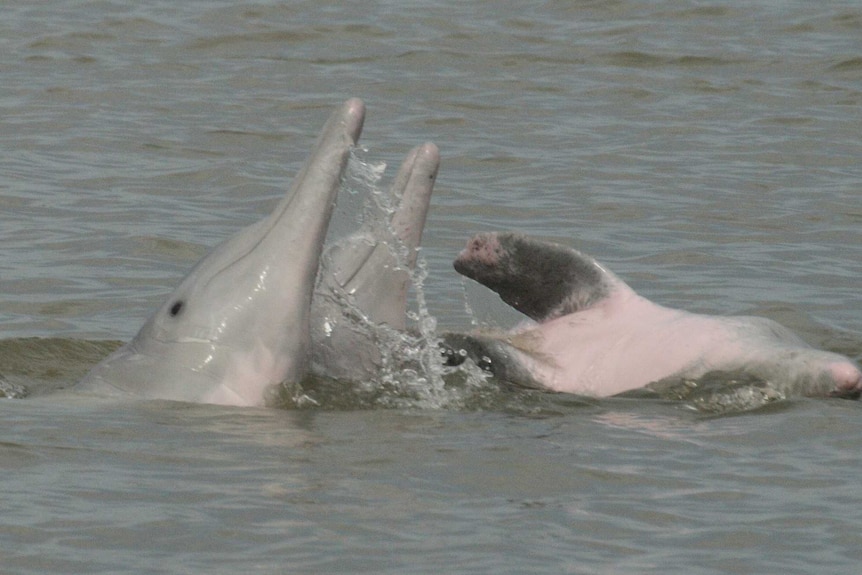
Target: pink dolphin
(595, 336)
(238, 324)
(252, 315)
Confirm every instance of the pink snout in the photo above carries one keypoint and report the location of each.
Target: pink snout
(482, 249)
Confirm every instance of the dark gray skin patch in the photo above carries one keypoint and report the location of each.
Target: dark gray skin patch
(542, 280)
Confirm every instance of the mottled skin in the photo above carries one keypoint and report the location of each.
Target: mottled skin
(539, 281)
(596, 336)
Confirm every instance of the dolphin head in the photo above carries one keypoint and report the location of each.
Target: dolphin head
(239, 322)
(361, 294)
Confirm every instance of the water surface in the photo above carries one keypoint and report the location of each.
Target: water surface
(707, 152)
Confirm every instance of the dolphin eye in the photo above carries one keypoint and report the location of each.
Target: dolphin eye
(176, 308)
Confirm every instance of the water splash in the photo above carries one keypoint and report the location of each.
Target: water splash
(716, 392)
(360, 361)
(356, 201)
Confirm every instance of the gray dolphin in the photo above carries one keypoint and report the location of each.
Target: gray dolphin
(238, 324)
(594, 335)
(361, 292)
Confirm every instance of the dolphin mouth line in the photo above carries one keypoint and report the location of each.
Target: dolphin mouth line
(194, 340)
(358, 268)
(265, 234)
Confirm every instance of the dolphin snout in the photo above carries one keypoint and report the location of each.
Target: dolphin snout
(354, 114)
(482, 249)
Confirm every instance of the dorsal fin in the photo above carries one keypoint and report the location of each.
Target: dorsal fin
(542, 280)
